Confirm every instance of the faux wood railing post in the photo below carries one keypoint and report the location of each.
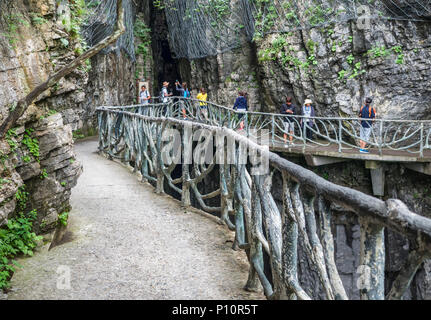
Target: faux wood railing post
(371, 281)
(185, 194)
(185, 147)
(256, 252)
(159, 165)
(239, 209)
(329, 249)
(144, 167)
(290, 246)
(272, 223)
(254, 246)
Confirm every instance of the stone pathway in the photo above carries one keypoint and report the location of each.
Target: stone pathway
(126, 242)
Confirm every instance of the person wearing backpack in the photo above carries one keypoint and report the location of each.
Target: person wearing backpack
(164, 94)
(366, 112)
(241, 106)
(307, 112)
(144, 96)
(183, 92)
(288, 108)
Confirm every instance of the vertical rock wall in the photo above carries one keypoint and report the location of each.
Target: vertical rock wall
(37, 156)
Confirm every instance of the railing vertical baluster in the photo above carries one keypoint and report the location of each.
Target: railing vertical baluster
(340, 135)
(380, 142)
(272, 129)
(304, 134)
(109, 134)
(247, 124)
(422, 141)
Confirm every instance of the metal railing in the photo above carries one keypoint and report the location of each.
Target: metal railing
(247, 205)
(405, 136)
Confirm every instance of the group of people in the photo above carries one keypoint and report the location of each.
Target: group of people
(306, 122)
(182, 91)
(307, 112)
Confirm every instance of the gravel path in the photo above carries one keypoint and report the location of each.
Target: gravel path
(129, 243)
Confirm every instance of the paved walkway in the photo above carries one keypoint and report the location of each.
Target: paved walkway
(129, 243)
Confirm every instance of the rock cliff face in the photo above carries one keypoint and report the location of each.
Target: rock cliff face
(37, 155)
(336, 66)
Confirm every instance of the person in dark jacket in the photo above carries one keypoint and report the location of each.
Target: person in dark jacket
(307, 123)
(288, 108)
(241, 106)
(366, 112)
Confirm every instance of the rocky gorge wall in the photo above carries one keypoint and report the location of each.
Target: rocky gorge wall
(336, 66)
(37, 156)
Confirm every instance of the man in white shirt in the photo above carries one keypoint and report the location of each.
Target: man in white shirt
(144, 96)
(165, 93)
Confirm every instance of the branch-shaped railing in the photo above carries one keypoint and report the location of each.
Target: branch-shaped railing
(337, 134)
(241, 197)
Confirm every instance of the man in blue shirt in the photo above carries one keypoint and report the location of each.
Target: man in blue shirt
(366, 112)
(241, 106)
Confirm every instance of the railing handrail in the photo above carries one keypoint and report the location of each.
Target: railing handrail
(355, 200)
(277, 114)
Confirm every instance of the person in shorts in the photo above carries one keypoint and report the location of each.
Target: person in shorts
(288, 108)
(366, 112)
(241, 106)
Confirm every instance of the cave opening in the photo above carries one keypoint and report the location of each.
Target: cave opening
(166, 67)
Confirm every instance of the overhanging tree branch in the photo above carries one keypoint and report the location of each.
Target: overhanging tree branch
(23, 104)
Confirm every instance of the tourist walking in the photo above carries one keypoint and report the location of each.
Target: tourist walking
(183, 92)
(164, 96)
(307, 123)
(203, 107)
(288, 109)
(144, 96)
(366, 112)
(241, 106)
(165, 93)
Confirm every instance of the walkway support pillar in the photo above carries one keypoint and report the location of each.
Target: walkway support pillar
(377, 177)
